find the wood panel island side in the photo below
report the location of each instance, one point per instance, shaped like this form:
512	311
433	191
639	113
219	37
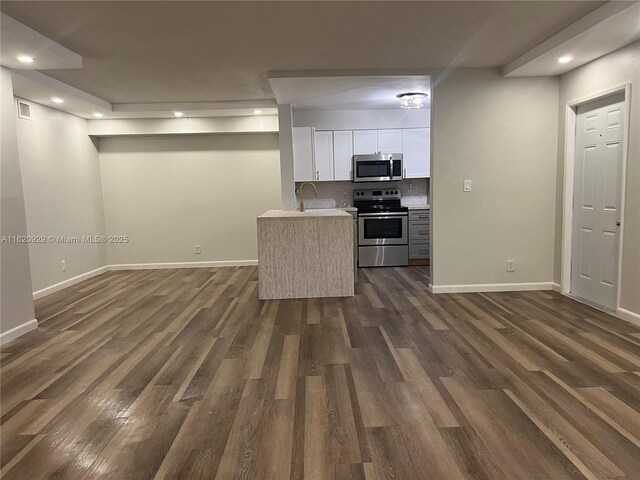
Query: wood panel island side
305	254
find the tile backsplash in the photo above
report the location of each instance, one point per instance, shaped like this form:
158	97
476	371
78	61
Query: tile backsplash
334	194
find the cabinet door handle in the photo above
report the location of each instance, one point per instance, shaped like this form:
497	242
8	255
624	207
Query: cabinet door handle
405	173
317	175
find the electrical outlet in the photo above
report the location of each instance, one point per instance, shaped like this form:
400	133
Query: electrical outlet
64	265
198	251
410	186
511	265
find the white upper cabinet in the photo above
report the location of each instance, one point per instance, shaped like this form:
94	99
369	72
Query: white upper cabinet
416	152
365	142
390	141
342	154
303	170
327	155
323	155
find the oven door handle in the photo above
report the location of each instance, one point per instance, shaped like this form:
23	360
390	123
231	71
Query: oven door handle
383	215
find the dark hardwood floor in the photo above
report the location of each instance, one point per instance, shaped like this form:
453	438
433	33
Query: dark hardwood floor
175	374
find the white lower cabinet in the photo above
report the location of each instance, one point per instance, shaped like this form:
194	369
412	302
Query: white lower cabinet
342	154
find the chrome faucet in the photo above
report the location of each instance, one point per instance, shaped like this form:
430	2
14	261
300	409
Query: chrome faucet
300	194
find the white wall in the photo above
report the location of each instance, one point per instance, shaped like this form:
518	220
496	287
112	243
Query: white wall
361	119
170	193
185	125
609	71
16	301
63	194
501	133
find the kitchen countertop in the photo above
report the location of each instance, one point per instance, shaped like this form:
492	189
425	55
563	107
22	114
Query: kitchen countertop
348	209
418	206
310	213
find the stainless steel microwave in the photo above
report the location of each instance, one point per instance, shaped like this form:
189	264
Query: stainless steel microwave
380	167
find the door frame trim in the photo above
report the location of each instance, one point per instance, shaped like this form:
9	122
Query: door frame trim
569	163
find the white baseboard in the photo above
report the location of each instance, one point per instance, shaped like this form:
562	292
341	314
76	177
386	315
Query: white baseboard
139	266
629	316
215	263
556	287
67	283
492	287
18	331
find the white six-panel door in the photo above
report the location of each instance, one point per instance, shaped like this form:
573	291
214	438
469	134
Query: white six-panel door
596	204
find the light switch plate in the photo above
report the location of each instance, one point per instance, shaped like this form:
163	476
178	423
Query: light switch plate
466	185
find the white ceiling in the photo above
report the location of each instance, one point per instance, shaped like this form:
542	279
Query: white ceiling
603	30
135	52
347	93
148	59
16	39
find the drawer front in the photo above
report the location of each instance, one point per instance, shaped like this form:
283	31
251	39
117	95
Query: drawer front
420	222
418	231
418	250
419	215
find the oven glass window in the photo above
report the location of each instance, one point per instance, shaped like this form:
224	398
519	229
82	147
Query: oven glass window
372	169
375	228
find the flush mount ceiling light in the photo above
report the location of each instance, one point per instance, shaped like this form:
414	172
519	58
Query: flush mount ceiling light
565	59
178	114
25	58
98	115
411	99
257	111
57	100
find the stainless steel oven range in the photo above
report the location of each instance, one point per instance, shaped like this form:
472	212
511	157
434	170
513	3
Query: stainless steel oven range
383	239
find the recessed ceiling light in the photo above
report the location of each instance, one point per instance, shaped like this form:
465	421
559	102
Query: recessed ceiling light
25	59
57	100
98	114
565	59
178	114
257	111
412	99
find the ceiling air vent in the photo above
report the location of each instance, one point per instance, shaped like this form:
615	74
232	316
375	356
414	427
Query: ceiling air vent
24	110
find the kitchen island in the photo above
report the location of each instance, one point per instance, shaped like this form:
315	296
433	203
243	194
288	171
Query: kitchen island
305	254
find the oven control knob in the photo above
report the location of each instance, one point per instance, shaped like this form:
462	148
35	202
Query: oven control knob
396	192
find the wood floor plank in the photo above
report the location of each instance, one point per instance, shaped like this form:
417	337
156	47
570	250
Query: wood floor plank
285	388
186	374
